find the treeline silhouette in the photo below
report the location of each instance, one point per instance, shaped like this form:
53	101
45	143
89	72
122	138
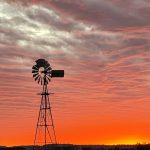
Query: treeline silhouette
80	147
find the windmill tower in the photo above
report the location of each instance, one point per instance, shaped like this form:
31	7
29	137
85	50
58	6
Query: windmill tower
45	130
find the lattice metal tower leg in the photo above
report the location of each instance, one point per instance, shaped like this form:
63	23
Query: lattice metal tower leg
45	121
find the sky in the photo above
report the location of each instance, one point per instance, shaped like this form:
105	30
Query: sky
104	48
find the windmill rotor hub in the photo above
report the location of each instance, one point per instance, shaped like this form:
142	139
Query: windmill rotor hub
41	71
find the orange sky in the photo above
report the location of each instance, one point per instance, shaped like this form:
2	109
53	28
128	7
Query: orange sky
104	96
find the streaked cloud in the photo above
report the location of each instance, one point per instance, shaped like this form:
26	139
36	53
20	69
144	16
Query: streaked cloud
103	46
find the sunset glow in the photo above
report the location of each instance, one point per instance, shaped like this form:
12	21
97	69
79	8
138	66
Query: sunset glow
104	48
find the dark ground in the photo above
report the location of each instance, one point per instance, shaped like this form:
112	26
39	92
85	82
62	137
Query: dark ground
80	147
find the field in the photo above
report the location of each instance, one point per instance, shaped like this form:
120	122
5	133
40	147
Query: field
80	147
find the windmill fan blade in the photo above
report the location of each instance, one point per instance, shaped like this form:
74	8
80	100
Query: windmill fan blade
48	71
48	68
34	75
46	81
35	67
40	63
39	80
37	77
48	75
34	71
48	78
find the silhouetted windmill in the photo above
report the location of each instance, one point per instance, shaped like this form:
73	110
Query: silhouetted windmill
42	73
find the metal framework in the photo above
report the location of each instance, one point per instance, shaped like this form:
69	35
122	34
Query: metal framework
44	113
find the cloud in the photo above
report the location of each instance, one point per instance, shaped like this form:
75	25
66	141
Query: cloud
103	46
77	42
104	14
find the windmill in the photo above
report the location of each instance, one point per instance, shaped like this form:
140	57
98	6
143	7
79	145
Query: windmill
45	131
